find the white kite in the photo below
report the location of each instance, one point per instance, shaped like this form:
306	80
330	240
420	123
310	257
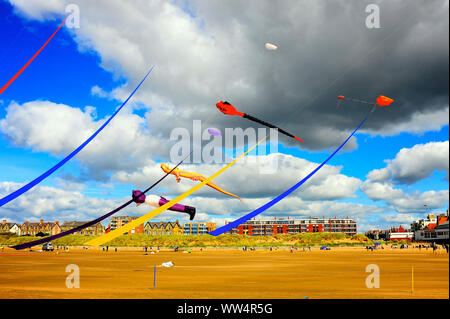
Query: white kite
271	47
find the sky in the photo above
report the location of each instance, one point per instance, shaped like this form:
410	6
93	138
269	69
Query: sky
206	51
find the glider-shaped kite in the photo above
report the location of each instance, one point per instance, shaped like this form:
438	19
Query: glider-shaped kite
195	177
32	58
227	108
95	221
39	179
139	221
266	206
157	201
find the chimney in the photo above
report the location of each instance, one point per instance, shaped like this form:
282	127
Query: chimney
4	222
41	221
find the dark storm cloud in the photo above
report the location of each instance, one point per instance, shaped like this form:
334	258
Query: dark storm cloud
326	50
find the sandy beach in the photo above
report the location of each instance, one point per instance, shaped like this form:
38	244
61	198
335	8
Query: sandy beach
335	274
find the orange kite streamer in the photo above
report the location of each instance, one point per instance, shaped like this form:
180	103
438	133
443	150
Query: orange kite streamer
195	177
32	58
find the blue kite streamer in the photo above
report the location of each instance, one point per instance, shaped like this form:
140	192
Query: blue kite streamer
39	179
266	206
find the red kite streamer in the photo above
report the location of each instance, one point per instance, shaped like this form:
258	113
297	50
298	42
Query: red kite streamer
32	58
227	108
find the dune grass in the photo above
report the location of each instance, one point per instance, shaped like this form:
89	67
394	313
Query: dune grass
140	240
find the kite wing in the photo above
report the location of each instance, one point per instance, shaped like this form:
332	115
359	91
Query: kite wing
227	108
32	58
39	179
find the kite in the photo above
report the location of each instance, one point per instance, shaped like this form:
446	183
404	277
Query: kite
271	47
139	221
39	179
95	221
380	101
32	58
227	108
214	132
195	177
266	206
157	201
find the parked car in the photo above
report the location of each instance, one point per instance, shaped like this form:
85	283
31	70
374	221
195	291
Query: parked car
48	247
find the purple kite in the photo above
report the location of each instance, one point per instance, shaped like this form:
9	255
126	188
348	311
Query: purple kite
214	132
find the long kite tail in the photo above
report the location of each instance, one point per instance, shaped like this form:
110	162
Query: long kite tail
139	221
266	206
39	179
32	58
93	222
219	189
254	119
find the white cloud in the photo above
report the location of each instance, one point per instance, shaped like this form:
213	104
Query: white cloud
418	123
126	143
405	202
411	165
51	204
245	179
39	9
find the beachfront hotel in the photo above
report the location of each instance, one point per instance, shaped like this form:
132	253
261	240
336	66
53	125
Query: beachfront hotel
119	221
268	227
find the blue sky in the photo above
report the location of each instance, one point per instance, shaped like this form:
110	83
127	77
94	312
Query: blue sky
66	72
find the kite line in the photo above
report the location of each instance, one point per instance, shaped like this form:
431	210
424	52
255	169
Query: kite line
266	206
39	179
32	58
139	221
93	222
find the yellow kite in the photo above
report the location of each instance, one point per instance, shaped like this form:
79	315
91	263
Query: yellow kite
195	177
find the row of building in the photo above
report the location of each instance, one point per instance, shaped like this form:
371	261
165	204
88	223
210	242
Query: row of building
432	228
162	228
150	228
268	227
253	227
48	228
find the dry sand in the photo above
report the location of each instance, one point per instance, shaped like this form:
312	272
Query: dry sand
338	273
